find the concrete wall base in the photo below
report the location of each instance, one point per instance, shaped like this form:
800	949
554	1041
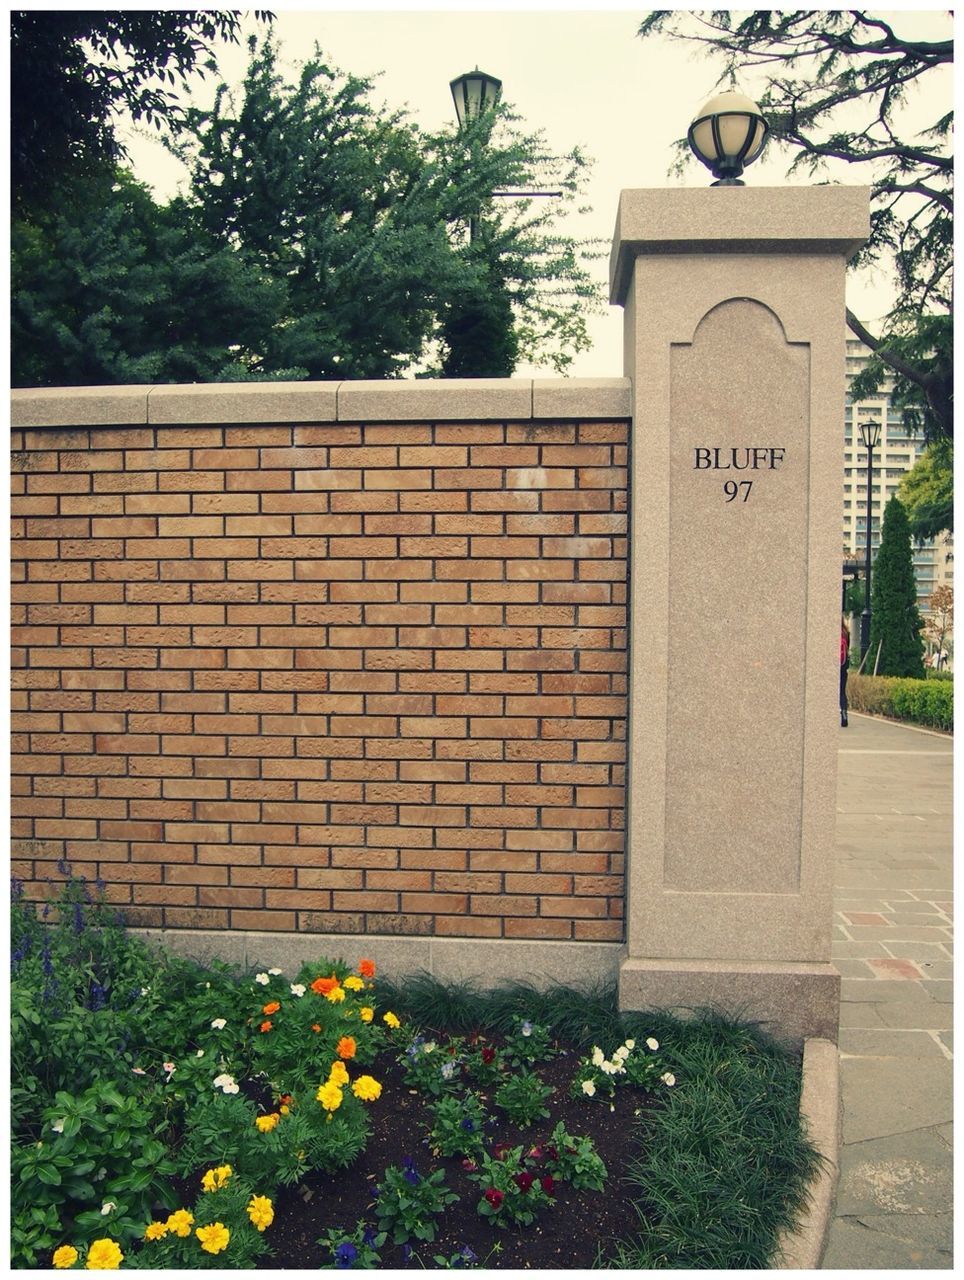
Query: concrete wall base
486	961
791	1002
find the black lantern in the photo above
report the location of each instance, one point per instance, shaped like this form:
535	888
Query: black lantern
474	93
727	134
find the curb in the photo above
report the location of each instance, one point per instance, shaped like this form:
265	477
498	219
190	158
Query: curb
802	1248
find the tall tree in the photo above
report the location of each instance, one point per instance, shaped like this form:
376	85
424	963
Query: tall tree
927	492
941	622
895	621
114	289
72	70
364	219
836	81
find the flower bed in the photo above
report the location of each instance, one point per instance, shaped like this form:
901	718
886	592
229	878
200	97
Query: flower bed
167	1115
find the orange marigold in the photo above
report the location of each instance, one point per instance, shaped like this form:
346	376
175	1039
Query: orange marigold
347	1047
266	1026
315	1026
323	985
366	968
273	1007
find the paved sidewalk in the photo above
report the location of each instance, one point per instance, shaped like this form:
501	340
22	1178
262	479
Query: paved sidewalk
892	946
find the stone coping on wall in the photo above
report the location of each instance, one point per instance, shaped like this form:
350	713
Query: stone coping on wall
419	400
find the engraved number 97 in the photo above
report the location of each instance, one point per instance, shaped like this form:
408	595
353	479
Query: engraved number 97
732	488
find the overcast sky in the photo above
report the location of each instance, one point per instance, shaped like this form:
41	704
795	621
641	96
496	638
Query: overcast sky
583	77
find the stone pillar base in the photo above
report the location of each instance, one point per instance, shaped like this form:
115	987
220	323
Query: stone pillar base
791	1002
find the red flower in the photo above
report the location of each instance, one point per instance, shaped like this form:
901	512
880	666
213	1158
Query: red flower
536	1153
552	1153
548	1185
488	1055
494	1198
500	1149
523	1181
469	1166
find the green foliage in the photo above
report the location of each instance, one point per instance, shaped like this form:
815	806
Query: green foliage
929	702
574	1159
71	70
523	1098
431	1067
927	492
408	1203
895	622
353	1251
458	1124
527	1043
327	239
512	1194
835	85
236	1206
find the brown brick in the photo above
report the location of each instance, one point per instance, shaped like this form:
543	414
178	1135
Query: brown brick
537	928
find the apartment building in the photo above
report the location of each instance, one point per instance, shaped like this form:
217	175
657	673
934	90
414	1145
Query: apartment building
896	453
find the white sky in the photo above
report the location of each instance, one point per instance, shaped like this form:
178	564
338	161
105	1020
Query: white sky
583	77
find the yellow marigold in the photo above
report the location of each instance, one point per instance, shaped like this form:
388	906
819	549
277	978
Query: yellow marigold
216	1178
181	1222
366	1088
267	1123
329	1095
354	984
271	1007
261	1212
65	1256
104	1255
338	1074
347	1047
156	1231
390	1020
366	1013
285	1109
214	1238
336	995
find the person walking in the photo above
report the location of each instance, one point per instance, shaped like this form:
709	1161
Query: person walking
844	667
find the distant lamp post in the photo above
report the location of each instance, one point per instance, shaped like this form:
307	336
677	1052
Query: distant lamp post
870	439
727	134
474	93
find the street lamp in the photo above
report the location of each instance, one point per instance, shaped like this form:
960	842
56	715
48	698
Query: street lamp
474	93
870	439
727	134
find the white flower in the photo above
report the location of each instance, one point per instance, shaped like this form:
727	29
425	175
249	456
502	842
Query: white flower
207	986
621	1054
597	1056
276	972
668	1078
200	1053
109	1207
219	1024
145	990
262	978
225	1083
138	1071
170	1068
58	1126
609	1068
430	1047
589	1088
298	989
652	1044
630	1044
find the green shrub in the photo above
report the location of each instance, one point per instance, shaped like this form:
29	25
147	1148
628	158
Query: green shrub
929	702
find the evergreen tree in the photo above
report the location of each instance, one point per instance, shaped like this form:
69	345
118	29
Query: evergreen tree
896	624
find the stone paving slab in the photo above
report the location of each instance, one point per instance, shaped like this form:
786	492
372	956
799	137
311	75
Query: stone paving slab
892	946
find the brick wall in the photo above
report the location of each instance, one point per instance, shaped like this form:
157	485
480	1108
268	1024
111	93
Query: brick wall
340	678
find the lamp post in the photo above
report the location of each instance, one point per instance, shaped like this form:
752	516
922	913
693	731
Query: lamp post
473	93
870	439
727	134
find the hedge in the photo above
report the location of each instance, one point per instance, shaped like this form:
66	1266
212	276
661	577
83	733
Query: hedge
929	702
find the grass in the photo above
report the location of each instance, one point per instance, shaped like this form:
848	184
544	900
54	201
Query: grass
723	1164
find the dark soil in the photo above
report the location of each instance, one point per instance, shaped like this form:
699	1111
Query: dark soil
570	1233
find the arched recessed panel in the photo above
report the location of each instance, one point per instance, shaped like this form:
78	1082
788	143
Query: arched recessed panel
739	476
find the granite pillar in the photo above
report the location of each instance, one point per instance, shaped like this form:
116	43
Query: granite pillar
735	345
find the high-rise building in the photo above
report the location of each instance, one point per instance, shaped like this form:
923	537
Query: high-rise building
896	453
